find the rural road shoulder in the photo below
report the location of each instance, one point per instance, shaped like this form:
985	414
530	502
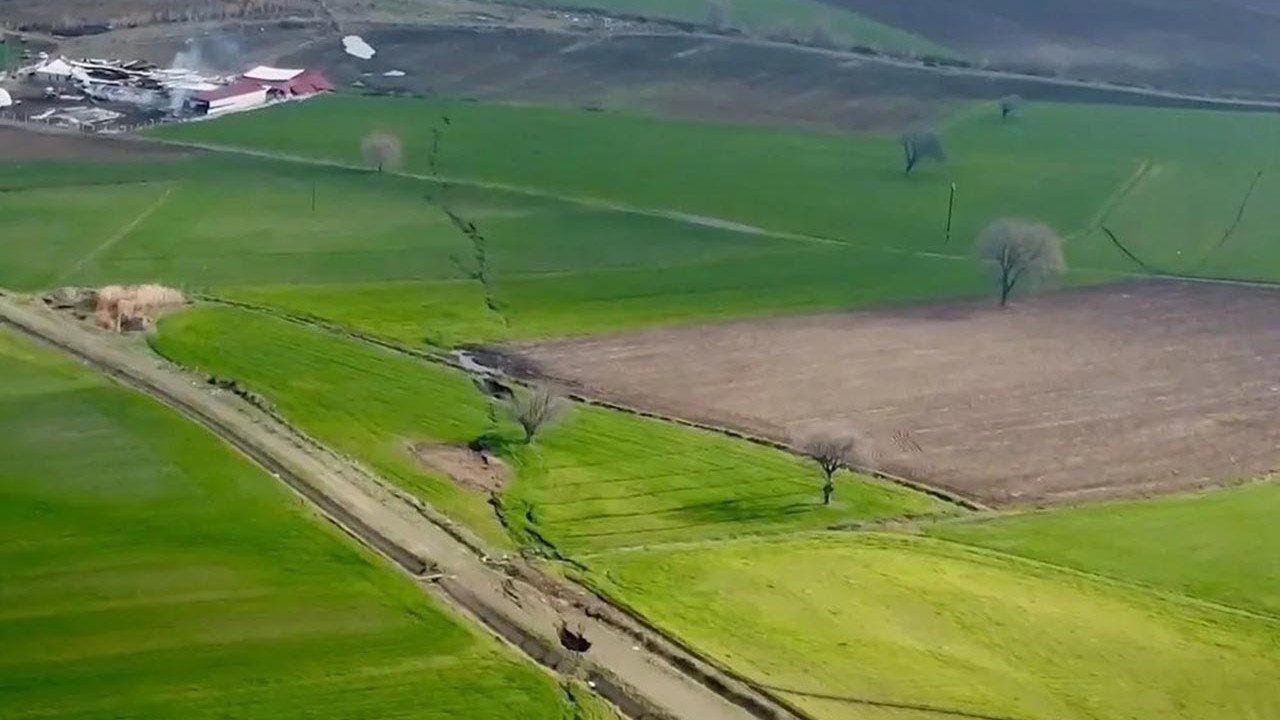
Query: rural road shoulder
623	666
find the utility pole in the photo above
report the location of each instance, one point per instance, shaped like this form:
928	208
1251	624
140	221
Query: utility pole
951	209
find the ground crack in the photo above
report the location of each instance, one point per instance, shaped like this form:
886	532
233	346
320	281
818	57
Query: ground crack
480	271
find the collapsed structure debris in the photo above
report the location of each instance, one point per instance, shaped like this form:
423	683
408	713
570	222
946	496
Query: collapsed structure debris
105	90
119	308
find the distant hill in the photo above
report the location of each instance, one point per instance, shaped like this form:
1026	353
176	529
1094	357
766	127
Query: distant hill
1202	45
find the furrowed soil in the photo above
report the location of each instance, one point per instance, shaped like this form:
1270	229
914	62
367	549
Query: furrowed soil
18	144
1124	390
686	76
1227	45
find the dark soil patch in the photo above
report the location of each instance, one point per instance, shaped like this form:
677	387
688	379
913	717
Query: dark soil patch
1191	45
18	144
478	471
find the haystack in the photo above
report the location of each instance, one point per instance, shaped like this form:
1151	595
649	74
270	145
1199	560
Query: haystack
133	307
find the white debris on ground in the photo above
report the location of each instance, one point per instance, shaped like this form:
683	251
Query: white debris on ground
393	73
355	46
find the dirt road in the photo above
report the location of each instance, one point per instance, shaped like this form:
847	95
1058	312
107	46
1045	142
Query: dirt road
626	664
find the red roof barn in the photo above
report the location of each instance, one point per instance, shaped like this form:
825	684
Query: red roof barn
296	83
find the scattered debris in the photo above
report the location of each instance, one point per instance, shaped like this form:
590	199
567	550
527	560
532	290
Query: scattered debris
122	308
394	73
355	46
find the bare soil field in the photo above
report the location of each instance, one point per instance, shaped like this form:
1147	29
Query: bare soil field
689	76
1190	45
1116	391
18	144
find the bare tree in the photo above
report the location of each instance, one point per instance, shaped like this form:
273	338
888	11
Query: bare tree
831	452
382	150
718	15
920	145
1010	105
1020	251
536	410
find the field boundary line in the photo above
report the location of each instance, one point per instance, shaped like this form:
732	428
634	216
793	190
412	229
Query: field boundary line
447	569
1101	578
718	223
772	691
936	492
118	236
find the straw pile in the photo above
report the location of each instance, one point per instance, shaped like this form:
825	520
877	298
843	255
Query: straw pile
133	307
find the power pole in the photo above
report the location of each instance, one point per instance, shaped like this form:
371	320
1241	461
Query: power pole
951	209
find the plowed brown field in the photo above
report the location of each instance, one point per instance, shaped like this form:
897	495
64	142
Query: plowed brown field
1121	390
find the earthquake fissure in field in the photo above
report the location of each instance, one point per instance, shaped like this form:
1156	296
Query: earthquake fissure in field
713	368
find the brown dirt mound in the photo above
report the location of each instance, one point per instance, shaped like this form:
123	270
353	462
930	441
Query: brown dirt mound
478	471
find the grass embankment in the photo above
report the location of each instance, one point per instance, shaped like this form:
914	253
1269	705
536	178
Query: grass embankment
602	479
848	626
1217	546
148	571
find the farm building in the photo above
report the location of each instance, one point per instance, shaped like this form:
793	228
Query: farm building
291	82
239	95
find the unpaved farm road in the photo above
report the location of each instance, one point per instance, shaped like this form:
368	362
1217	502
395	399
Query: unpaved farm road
628	665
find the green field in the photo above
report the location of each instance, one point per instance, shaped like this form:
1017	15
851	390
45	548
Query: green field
685	526
1169	183
1218	546
782	19
603	479
722	542
148	571
851	624
376	251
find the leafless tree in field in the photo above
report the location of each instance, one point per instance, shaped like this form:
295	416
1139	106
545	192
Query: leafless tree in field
920	145
382	150
718	15
831	452
1020	251
1010	105
536	410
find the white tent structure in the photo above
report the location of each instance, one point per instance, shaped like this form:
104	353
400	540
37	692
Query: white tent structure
6	100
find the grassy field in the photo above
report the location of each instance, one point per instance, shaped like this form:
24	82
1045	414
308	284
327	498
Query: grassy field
602	479
377	252
1165	181
148	571
805	20
1216	546
870	626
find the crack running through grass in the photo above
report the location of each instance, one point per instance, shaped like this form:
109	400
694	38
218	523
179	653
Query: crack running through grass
479	243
